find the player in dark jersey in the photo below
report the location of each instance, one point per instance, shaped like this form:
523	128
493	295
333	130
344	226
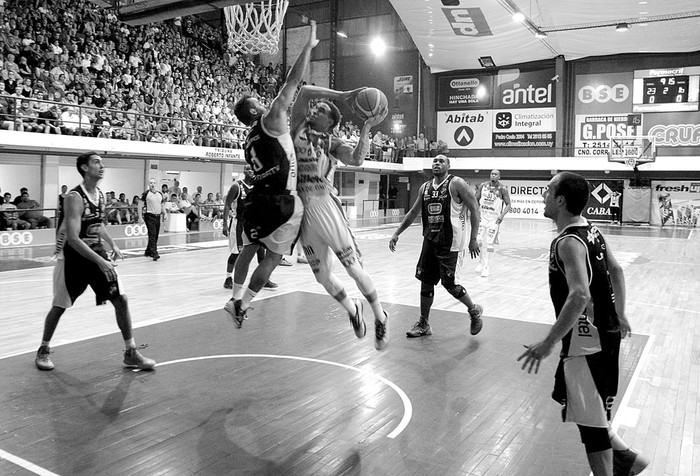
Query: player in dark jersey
83	261
444	202
273	210
587	287
233	228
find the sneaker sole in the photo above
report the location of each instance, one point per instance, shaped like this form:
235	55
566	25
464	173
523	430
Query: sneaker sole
422	334
360	306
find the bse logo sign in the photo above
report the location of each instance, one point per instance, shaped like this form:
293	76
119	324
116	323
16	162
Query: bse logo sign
16	238
136	230
465	21
603	93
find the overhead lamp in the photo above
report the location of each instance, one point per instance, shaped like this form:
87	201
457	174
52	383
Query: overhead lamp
622	27
487	62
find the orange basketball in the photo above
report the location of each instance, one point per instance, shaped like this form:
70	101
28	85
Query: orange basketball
369	102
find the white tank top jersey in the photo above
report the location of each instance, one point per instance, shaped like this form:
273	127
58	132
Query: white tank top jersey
315	165
491	202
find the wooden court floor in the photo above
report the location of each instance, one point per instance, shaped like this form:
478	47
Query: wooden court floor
294	392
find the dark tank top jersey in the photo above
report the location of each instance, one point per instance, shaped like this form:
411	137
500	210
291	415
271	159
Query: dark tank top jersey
601	311
92	215
436	217
272	159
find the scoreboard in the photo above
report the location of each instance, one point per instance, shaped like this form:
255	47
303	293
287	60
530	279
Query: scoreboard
666	90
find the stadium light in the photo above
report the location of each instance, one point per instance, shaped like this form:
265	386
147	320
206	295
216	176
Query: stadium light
378	46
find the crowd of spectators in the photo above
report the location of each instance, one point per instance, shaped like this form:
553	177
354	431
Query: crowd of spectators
22	212
171	82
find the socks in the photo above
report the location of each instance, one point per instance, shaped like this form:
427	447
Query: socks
248	296
130	343
45	343
237	291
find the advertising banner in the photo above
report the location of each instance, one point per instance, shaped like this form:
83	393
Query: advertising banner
465	129
677	130
593	132
521	89
403	92
524	128
526	198
598	206
675	203
466	91
604	93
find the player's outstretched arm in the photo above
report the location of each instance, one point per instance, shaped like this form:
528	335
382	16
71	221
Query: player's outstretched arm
617	278
408	219
231	196
276	119
467	196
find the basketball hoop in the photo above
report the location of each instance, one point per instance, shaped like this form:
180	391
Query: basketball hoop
255	28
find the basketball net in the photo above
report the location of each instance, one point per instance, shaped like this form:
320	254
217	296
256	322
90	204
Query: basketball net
255	28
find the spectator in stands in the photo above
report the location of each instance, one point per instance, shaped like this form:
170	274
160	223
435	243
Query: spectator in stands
171	206
134	209
50	119
122	206
10	216
28	117
32	213
7	109
421	146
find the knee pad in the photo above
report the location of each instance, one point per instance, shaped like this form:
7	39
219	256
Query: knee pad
456	290
427	290
594	439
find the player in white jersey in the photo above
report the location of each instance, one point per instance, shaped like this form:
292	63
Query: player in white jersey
494	203
324	228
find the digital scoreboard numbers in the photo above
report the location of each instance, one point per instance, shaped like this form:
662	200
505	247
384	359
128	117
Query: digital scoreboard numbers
666	90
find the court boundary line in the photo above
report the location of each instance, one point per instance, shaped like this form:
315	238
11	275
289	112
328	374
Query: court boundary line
408	407
24	464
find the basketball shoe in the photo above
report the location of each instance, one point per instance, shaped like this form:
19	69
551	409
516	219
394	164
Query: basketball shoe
628	463
270	285
284	262
420	329
43	362
475	315
235	311
133	358
381	333
358	320
485	272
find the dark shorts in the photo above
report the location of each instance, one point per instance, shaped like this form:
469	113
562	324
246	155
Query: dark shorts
437	263
272	221
74	274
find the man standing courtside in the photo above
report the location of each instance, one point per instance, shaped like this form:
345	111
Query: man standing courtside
324	229
153	214
83	261
444	202
587	287
273	210
494	204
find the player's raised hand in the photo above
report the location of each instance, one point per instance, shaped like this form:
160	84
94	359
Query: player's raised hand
313	41
375	120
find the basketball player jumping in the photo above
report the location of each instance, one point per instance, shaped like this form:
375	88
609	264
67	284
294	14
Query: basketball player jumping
589	300
444	202
494	204
325	228
83	261
273	209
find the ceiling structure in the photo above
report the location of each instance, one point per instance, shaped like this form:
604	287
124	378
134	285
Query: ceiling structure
454	34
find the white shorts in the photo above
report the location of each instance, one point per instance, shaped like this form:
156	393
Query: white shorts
233	245
584	403
325	228
488	233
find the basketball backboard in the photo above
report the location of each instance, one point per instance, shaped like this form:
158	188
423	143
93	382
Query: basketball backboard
632	150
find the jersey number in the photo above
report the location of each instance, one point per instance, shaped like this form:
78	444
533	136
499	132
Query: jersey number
254	161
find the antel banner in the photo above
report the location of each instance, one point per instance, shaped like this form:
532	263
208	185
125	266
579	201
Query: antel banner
604	93
465	129
519	89
593	132
467	91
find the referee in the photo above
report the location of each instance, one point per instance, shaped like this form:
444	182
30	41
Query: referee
154	213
